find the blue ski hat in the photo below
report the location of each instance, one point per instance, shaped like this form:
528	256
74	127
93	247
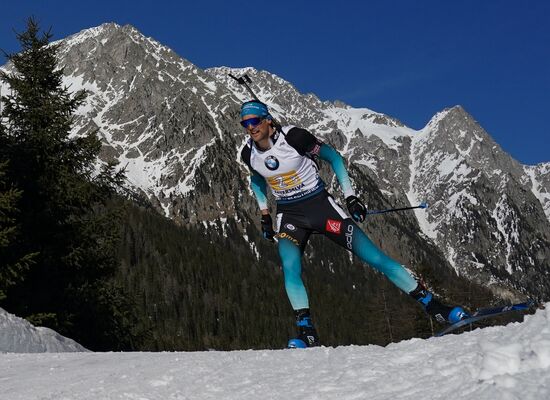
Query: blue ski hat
254	107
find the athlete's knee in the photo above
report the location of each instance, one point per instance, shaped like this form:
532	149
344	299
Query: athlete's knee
290	257
292	268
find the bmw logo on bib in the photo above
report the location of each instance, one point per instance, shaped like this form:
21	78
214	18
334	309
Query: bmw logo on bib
271	163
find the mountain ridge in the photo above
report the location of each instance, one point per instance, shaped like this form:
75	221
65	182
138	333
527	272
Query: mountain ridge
175	129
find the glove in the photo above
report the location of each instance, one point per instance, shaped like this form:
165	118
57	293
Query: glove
267	227
356	208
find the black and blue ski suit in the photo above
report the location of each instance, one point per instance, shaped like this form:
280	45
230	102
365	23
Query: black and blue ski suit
304	206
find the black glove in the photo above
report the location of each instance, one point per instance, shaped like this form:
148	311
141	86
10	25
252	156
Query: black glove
267	227
356	208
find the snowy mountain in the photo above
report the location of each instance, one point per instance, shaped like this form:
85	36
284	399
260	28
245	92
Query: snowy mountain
175	129
19	336
511	362
490	224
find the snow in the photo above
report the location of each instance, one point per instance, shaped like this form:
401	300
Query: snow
252	245
429	229
18	335
455	165
82	36
503	215
511	362
534	175
75	83
436	119
349	120
368	162
186	185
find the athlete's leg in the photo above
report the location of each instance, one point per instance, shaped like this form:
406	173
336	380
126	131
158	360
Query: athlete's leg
292	268
359	243
340	228
367	251
293	235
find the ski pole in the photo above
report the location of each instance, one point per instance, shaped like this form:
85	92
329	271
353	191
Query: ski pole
387	210
245	80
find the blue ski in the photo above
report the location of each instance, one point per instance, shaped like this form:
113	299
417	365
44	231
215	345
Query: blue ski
483	313
296	344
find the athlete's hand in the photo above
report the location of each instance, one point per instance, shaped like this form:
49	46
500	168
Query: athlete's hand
267	227
356	208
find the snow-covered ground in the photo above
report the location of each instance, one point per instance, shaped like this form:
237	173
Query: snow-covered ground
19	336
502	363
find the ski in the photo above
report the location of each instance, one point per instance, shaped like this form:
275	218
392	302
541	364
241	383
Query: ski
483	313
296	344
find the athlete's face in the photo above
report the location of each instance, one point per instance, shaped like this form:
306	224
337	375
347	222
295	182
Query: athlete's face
259	132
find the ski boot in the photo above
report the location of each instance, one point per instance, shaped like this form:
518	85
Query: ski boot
442	313
307	335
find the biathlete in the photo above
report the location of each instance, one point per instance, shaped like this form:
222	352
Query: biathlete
284	158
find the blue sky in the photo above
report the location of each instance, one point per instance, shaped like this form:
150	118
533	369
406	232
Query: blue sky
408	59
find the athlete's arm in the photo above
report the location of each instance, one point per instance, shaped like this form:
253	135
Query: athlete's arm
259	188
355	206
257	182
336	161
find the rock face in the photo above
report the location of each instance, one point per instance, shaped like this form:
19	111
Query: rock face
159	116
174	127
483	216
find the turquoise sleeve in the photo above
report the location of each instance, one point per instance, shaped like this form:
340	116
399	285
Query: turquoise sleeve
259	188
328	153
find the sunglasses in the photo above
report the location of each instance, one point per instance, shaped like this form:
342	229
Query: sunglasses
252	122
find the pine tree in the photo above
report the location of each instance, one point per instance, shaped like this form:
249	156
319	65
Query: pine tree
64	214
13	265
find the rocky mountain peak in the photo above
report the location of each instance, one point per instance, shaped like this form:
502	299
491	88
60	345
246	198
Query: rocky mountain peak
455	134
174	127
476	193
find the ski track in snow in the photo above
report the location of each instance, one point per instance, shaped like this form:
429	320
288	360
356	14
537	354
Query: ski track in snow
511	362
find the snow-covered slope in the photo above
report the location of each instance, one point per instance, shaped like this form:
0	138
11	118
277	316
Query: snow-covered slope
538	178
511	362
19	336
